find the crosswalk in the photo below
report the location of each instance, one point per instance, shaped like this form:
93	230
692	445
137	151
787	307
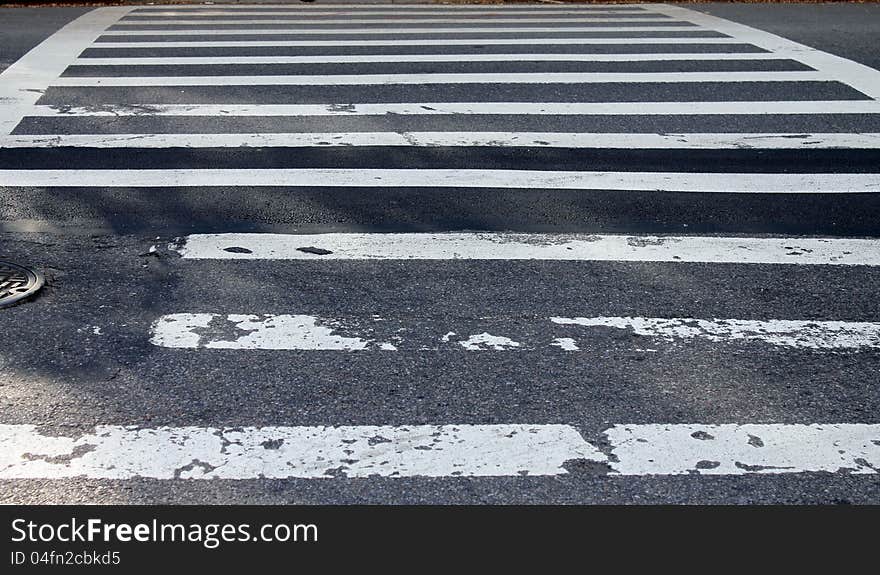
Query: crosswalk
406	104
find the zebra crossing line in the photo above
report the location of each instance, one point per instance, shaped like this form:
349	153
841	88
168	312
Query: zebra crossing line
519	246
169	453
753	183
45	107
305	332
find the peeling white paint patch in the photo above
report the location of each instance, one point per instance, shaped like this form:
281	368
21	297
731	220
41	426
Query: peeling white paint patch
179	329
239	331
485	340
730	449
117	452
785	333
93	329
566	343
533	246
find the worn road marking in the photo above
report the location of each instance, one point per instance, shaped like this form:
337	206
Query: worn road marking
118	452
451	178
463	78
184	330
488	108
519	246
785	333
306	332
581	140
732	449
189	453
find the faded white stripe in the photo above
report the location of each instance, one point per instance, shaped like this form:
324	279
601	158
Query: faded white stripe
442	178
489	108
515	246
464	78
807	334
277	452
583	140
311	333
123	452
305	332
732	449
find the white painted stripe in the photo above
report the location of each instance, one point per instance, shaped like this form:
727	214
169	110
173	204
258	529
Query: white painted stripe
312	333
125	452
419	42
465	78
386	58
316	15
469	20
414	30
22	83
794	141
491	108
730	449
805	334
451	178
128	452
397	8
515	246
861	77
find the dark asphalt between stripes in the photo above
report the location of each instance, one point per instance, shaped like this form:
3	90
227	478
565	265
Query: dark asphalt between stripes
294	210
819	161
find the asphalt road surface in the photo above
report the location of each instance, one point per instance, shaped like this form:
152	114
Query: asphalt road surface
435	254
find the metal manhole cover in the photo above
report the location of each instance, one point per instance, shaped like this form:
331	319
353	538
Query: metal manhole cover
17	283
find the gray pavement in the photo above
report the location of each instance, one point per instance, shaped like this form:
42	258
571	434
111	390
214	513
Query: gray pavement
83	353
